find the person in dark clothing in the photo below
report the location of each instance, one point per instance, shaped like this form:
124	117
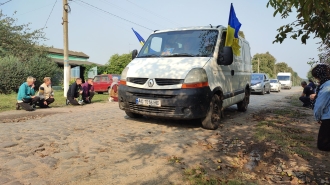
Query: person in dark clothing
25	97
312	84
75	90
88	89
305	94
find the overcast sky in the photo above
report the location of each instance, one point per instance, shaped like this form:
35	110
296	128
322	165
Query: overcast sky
100	34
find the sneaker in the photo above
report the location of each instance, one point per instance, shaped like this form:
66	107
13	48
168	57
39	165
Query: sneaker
18	107
67	102
80	102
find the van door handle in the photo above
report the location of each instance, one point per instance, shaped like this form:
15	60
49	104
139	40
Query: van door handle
232	72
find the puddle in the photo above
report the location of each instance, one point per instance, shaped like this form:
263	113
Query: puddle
254	160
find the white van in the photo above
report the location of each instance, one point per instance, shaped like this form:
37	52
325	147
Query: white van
186	73
285	79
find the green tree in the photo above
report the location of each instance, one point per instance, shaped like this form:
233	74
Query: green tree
281	67
19	41
313	17
266	63
117	63
14	72
21	56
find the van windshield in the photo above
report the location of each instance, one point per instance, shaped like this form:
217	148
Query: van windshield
283	78
187	43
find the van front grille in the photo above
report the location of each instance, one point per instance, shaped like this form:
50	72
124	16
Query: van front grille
164	81
144	95
156	110
139	81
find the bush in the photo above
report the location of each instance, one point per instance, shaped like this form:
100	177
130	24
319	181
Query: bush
14	72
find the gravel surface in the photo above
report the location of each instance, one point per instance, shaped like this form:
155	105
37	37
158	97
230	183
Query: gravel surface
99	144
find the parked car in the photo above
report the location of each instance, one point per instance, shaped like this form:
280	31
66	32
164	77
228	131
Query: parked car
275	85
102	83
260	83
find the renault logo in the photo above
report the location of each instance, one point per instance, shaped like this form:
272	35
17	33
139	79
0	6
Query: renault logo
151	83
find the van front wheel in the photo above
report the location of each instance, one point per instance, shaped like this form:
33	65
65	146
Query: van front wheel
212	119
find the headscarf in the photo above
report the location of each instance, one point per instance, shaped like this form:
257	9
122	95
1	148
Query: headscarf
114	81
322	73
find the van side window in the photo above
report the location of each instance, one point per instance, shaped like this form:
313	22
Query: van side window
97	79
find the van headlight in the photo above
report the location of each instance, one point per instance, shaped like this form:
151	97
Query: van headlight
196	78
123	76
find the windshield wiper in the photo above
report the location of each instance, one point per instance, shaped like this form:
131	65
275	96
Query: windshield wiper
151	55
181	55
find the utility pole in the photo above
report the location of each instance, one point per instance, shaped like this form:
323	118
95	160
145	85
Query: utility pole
258	65
66	46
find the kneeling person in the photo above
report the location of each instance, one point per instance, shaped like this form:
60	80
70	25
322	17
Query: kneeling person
75	90
88	91
25	96
46	93
305	96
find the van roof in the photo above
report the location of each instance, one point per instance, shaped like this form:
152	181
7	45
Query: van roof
220	27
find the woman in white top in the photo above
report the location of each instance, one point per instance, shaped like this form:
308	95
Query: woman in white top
46	93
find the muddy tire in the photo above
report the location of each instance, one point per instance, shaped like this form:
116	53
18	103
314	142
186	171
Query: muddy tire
213	115
133	115
243	105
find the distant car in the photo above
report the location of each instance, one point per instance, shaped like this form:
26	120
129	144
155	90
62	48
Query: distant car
260	83
275	85
102	83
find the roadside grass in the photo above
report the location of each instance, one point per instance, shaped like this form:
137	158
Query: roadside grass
278	128
294	100
199	176
7	102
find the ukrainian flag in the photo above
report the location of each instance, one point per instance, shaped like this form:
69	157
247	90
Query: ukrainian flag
232	31
141	40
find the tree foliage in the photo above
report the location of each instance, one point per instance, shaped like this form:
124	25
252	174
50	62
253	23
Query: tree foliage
21	56
117	63
14	72
268	65
313	18
19	41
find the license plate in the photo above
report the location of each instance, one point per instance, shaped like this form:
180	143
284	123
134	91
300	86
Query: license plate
148	102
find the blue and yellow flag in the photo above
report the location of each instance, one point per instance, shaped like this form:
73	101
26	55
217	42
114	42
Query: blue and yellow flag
232	31
141	40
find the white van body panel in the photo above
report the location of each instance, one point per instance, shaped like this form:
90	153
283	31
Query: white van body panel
172	68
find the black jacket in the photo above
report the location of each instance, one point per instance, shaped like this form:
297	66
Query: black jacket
73	91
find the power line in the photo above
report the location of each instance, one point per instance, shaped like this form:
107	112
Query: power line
50	13
5	2
127	11
153	13
115	15
34	9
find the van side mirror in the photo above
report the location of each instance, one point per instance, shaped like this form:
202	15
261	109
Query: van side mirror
225	56
134	54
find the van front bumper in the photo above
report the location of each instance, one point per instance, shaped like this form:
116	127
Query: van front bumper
175	103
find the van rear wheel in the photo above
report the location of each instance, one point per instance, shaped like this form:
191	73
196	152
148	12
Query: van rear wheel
133	115
213	116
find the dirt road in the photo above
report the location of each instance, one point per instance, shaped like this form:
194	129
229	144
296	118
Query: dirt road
98	144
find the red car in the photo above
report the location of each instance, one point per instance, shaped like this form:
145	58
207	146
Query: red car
102	83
